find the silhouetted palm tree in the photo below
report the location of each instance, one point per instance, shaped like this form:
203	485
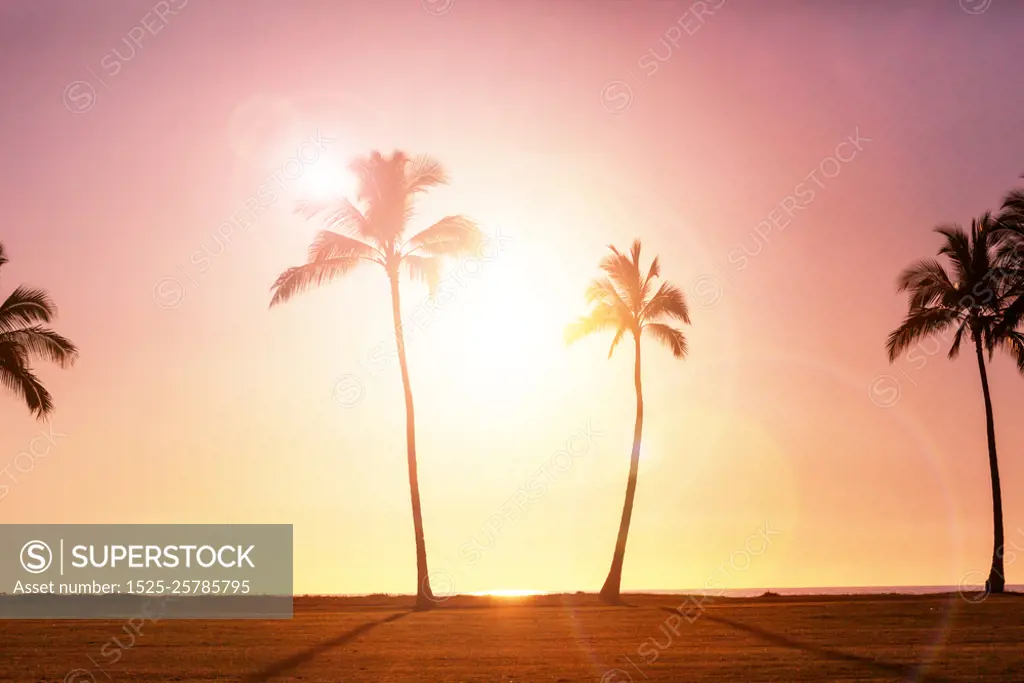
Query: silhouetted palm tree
24	339
374	233
623	302
970	298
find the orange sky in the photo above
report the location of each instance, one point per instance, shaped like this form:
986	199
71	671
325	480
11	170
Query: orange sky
559	131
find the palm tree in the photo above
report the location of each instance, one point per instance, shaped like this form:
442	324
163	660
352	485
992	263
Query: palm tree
23	338
622	301
969	297
374	233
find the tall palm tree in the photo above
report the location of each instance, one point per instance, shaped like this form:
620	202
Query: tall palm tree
23	338
968	297
374	232
623	301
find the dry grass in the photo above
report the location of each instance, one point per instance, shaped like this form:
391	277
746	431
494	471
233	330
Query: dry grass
554	638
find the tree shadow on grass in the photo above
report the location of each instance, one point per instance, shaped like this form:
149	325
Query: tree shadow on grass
912	672
289	663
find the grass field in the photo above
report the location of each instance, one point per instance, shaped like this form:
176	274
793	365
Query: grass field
548	638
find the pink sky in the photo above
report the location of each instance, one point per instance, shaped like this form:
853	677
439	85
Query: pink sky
555	124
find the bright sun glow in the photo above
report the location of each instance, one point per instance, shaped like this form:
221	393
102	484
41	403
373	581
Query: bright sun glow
325	179
500	334
509	592
648	449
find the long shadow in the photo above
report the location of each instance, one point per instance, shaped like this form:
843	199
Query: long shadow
911	671
300	658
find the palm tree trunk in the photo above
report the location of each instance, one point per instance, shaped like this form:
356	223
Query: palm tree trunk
996	576
610	590
424	596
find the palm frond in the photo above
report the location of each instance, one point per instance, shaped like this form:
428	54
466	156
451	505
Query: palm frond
984	234
380	176
668	302
44	343
339	215
362	169
602	317
1010	256
954	349
619	333
26	306
300	278
918	324
1013	207
331	245
604	291
601	289
423	173
1014	343
1012	314
626	276
634	252
382	190
671	337
927	282
425	269
652	273
450	236
958	249
19	379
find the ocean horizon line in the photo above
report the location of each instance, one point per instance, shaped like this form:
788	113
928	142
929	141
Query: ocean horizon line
722	592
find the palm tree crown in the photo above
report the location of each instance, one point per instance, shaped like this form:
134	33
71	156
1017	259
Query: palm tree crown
23	338
622	300
970	297
374	233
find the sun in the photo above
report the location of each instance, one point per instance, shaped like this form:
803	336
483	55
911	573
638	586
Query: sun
498	334
325	179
